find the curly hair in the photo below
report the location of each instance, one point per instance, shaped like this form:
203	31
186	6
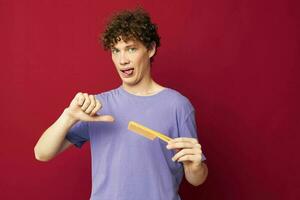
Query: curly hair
130	25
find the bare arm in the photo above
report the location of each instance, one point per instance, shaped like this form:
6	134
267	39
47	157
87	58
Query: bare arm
53	141
196	176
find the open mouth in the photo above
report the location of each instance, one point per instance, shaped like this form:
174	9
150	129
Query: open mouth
128	71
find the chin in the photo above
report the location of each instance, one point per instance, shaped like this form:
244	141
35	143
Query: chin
129	82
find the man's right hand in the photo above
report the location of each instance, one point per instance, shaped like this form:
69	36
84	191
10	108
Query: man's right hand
84	107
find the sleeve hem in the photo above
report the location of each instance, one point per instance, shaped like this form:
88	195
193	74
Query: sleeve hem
76	144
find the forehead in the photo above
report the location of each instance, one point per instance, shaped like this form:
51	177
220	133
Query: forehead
123	44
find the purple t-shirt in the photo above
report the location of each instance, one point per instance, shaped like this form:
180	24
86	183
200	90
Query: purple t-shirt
128	166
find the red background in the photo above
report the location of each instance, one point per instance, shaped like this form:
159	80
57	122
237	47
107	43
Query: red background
237	61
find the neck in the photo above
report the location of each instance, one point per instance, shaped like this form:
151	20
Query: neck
144	87
147	86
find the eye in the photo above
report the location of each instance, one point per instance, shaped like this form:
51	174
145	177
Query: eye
131	50
115	51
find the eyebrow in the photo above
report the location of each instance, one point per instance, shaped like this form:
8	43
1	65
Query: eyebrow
130	45
126	47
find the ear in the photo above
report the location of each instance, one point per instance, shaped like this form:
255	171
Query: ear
152	50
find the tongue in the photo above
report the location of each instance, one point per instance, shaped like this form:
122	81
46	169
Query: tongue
128	72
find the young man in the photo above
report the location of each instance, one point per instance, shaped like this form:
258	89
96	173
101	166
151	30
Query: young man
126	165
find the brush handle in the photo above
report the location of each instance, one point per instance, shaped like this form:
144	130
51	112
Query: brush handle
162	137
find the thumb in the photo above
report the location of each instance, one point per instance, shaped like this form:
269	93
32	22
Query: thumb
103	118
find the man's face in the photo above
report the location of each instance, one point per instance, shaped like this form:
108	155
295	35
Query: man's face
132	61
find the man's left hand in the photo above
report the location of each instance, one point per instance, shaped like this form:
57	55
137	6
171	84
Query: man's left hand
188	152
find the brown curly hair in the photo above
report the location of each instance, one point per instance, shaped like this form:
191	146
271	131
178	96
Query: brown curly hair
130	25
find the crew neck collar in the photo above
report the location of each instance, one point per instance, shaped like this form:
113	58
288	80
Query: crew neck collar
141	96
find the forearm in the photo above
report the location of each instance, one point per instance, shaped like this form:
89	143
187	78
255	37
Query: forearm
51	140
196	176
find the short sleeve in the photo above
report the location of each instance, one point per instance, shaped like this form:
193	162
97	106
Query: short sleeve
78	134
188	128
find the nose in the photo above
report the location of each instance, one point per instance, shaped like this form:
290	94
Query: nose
123	60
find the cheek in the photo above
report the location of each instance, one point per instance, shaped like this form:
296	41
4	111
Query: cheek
114	59
141	60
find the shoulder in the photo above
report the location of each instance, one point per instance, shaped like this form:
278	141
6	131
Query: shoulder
107	94
179	101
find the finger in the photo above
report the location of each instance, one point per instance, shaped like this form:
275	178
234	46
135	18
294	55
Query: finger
92	104
74	101
85	117
184	152
103	118
98	106
192	158
180	145
86	102
197	146
184	139
79	99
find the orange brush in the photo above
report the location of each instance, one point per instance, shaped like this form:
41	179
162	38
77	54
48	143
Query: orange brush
146	132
